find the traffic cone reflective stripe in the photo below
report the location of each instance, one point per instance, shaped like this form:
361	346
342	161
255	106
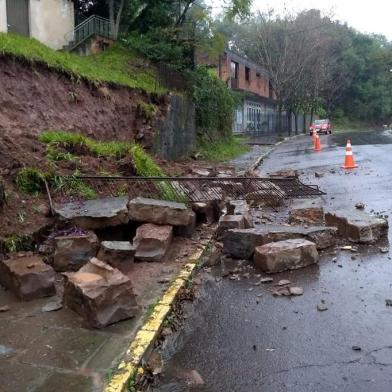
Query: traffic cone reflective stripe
317	144
349	162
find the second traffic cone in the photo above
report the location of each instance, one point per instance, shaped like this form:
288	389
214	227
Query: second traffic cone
349	162
317	144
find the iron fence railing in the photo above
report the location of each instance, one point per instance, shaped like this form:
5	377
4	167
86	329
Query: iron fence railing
94	25
271	191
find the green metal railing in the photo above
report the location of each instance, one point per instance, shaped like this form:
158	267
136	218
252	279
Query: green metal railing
94	25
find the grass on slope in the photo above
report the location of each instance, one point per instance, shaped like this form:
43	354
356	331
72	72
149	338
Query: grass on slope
117	65
223	149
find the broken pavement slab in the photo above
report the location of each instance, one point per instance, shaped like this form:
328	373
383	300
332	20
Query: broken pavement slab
27	277
95	214
285	255
307	211
358	225
240	243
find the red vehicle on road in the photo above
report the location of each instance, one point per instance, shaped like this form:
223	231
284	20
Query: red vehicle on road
321	126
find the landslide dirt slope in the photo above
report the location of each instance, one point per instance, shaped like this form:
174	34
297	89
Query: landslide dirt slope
34	99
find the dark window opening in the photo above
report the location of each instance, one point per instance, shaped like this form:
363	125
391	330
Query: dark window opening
247	74
234	69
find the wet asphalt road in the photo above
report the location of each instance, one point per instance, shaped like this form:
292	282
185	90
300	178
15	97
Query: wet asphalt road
241	338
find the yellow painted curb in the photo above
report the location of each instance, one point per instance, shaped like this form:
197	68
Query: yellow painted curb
146	336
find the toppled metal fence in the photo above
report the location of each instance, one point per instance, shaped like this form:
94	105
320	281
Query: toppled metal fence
271	191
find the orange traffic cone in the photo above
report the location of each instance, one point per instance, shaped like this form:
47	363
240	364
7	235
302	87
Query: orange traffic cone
349	162
317	144
314	133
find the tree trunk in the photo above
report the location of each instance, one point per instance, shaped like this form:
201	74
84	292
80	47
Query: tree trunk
115	17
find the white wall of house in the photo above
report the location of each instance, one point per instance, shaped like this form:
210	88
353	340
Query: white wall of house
51	20
3	16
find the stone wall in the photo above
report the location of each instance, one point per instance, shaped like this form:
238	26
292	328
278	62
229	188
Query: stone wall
176	136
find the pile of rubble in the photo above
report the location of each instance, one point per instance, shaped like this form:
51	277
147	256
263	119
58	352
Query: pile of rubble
281	247
96	273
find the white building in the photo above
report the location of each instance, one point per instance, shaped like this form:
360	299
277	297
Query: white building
46	20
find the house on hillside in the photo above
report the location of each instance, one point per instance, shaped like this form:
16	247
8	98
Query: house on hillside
258	113
49	21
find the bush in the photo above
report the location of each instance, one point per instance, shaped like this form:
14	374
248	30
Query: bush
215	105
30	180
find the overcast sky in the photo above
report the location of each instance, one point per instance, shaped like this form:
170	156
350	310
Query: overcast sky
374	16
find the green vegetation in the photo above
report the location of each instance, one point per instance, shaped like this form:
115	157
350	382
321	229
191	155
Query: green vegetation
222	149
18	243
144	164
72	186
148	110
117	65
30	180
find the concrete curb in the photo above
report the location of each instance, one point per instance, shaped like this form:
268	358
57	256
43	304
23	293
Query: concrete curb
149	332
258	161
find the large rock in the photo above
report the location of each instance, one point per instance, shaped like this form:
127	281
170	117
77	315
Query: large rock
285	255
307	211
240	244
160	212
206	212
227	222
95	214
152	242
119	254
28	277
240	207
102	295
357	225
71	252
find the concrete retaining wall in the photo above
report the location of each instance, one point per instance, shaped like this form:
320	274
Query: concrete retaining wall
176	136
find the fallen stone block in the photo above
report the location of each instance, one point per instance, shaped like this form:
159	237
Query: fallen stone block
240	207
71	252
28	277
118	254
160	212
357	225
95	214
227	222
240	243
285	255
307	211
185	231
102	295
152	242
284	173
208	212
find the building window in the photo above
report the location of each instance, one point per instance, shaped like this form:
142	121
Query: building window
247	74
234	69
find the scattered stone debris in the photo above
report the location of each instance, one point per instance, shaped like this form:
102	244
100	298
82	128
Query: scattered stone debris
266	280
102	295
72	251
285	255
160	212
384	250
388	302
118	254
296	290
95	214
358	225
152	242
356	348
319	174
283	282
52	306
309	211
27	277
227	222
241	243
4	309
360	206
322	307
